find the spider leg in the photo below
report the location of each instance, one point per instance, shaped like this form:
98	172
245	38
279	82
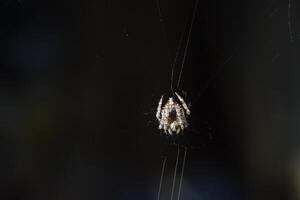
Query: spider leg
163	127
166	130
183	104
170	131
158	112
160	126
181	126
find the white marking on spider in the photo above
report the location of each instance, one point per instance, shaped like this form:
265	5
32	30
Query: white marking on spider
172	116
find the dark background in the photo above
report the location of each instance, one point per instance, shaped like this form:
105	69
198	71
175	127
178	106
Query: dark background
80	83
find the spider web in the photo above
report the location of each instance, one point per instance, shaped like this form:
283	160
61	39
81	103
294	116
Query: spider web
185	141
173	66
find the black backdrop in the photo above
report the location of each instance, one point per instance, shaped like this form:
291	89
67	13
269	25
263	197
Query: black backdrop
80	82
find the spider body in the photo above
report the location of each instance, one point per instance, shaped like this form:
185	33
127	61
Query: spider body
172	116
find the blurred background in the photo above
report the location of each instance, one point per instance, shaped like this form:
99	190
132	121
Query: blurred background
80	82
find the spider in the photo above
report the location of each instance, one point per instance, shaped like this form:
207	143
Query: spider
172	116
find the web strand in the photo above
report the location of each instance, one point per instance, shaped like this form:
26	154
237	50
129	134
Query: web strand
177	54
182	172
161	177
188	42
175	173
